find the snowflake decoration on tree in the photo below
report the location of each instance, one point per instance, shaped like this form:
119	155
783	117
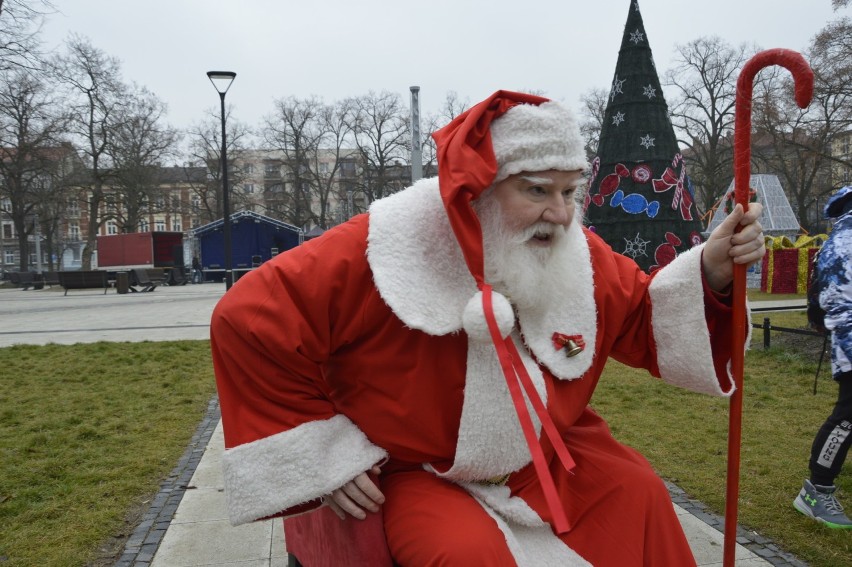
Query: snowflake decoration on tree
636	37
618	118
649	92
636	6
636	247
616	87
646	141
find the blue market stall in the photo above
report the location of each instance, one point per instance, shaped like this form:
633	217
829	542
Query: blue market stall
254	239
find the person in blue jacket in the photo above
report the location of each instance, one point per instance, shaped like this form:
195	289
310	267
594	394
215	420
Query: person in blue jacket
833	283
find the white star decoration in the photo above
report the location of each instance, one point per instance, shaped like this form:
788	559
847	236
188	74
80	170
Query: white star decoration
636	247
647	141
616	87
636	37
618	118
649	92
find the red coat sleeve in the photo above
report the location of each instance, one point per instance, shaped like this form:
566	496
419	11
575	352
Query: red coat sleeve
669	322
285	445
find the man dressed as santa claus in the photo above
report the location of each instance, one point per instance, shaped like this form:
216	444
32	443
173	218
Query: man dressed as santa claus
435	358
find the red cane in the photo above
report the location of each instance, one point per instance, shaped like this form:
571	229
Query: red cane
803	79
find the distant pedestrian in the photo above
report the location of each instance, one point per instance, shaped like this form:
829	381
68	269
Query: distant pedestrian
197	274
833	286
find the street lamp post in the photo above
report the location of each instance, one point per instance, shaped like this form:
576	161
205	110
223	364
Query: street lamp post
222	82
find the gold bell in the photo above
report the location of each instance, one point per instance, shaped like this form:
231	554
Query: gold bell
572	348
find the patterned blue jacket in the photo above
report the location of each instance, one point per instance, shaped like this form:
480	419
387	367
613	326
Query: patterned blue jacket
835	292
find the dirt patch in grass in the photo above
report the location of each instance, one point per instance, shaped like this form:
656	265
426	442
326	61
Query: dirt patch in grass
111	550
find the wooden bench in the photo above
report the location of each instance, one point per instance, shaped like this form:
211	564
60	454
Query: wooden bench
141	277
27	280
176	276
51	278
156	275
84	279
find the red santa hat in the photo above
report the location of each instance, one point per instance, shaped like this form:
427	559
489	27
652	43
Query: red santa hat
503	135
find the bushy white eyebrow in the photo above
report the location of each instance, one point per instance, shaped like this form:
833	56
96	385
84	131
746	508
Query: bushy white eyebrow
537	180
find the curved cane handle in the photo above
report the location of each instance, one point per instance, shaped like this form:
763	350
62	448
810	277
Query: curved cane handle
803	79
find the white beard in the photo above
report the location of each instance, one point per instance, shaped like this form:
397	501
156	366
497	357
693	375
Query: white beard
531	277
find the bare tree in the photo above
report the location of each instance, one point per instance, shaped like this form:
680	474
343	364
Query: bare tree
205	150
380	124
296	129
451	107
798	142
29	128
704	82
20	23
138	147
330	184
96	97
591	117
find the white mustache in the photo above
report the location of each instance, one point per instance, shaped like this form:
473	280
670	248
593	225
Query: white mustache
538	229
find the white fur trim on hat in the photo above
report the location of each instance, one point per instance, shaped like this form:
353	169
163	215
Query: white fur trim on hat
537	138
473	318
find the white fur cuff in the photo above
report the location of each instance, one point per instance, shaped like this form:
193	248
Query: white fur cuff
268	476
684	355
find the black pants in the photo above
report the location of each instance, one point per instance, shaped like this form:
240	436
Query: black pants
834	437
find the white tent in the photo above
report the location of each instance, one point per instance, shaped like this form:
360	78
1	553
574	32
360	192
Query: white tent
778	217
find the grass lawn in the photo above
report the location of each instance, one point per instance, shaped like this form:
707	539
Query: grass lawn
755	295
684	435
87	432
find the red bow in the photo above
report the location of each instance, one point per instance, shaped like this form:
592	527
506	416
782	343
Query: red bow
670	179
560	341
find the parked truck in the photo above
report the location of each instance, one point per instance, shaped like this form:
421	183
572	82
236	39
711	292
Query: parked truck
140	250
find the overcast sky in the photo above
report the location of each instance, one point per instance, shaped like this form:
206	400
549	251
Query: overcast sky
340	48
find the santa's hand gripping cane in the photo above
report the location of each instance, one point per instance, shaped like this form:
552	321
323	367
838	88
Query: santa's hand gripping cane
803	78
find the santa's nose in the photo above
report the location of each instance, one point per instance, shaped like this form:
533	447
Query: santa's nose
557	211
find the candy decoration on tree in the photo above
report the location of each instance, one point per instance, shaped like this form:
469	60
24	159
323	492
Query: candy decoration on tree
666	252
639	170
635	204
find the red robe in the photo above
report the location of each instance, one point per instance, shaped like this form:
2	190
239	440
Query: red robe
348	351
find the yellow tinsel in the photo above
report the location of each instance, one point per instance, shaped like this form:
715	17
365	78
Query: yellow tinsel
803	244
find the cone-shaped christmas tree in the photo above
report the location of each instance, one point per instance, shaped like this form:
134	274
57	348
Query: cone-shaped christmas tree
640	200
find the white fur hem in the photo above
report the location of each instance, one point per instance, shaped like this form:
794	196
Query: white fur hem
684	355
531	541
270	475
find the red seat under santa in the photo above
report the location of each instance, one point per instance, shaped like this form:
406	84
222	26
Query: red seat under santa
321	539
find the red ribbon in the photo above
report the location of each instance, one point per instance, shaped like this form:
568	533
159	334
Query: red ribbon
515	372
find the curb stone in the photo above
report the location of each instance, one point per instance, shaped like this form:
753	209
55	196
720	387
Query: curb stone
143	543
753	541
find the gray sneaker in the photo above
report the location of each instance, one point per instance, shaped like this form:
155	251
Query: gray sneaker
821	505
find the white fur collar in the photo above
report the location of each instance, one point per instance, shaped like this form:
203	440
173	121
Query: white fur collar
420	272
